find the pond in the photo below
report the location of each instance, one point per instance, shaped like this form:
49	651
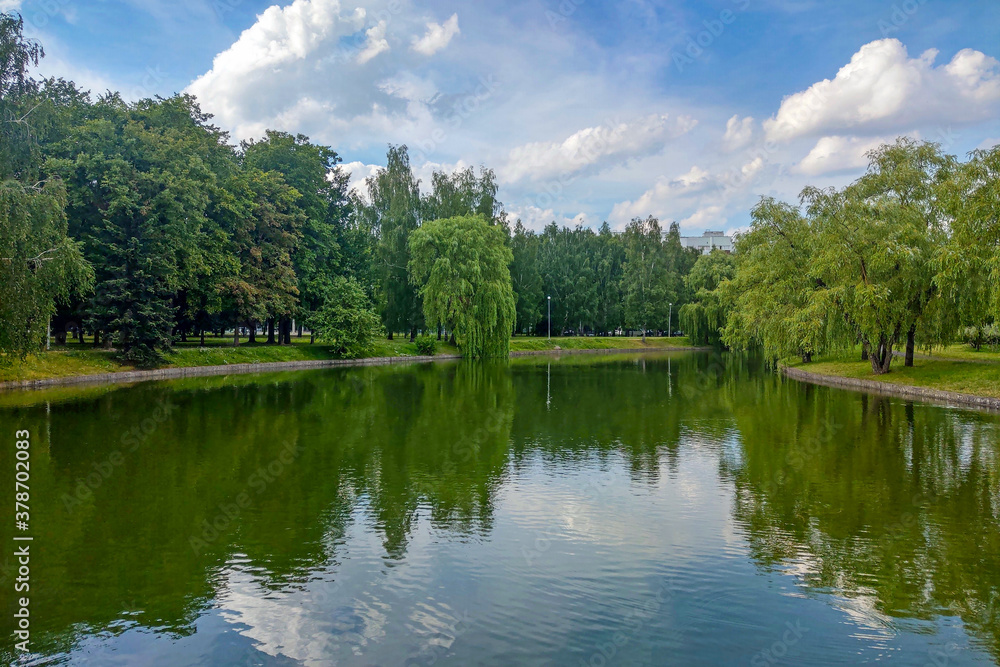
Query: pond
689	509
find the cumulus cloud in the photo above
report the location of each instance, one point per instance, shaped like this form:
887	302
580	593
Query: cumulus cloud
375	43
739	132
704	217
593	147
10	5
882	89
437	36
665	193
536	218
832	154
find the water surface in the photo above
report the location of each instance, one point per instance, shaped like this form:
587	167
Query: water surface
685	509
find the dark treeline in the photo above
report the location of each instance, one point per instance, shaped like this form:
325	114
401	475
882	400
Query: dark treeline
141	224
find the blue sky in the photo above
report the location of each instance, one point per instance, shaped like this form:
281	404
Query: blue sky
587	110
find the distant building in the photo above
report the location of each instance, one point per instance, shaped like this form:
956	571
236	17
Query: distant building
708	241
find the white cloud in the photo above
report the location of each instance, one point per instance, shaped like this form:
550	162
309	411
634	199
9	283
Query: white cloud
536	218
375	44
704	217
882	89
738	132
10	5
437	36
594	146
359	172
831	154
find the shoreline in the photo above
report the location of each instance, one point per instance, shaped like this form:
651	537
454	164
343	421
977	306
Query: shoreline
124	377
925	394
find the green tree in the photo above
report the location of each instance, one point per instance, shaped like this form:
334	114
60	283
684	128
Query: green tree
263	222
526	279
308	168
346	320
39	264
610	258
462	267
393	213
649	283
703	318
968	268
463	193
774	294
878	243
139	184
17	96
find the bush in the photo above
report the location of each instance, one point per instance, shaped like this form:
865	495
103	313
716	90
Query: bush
346	320
426	346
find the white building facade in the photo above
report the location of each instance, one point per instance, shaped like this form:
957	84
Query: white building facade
708	242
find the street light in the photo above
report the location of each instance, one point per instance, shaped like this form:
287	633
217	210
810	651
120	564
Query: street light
670	316
549	298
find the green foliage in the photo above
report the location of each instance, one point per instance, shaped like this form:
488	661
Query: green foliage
651	278
392	215
968	268
525	277
39	265
876	245
426	345
461	265
773	293
346	320
704	317
306	167
463	193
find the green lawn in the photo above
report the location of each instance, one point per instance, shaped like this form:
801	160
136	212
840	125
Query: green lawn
75	359
526	343
946	374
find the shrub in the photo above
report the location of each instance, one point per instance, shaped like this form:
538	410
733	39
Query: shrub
426	346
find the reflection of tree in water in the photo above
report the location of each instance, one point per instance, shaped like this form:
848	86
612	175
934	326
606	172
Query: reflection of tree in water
388	439
628	407
876	499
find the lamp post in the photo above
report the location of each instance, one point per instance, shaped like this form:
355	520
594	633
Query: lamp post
670	316
549	299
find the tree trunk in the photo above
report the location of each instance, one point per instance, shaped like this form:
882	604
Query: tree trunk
252	326
881	357
312	337
299	330
286	329
236	335
270	331
439	331
643	334
864	351
390	335
452	340
413	334
807	357
203	338
910	344
184	336
97	337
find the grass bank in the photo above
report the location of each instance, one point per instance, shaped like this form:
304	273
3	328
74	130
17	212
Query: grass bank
945	373
75	360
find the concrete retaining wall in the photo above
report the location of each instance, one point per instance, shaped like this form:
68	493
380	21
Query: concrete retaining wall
892	389
274	366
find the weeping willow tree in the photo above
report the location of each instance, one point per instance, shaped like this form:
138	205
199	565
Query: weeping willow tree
703	318
39	264
778	304
461	267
